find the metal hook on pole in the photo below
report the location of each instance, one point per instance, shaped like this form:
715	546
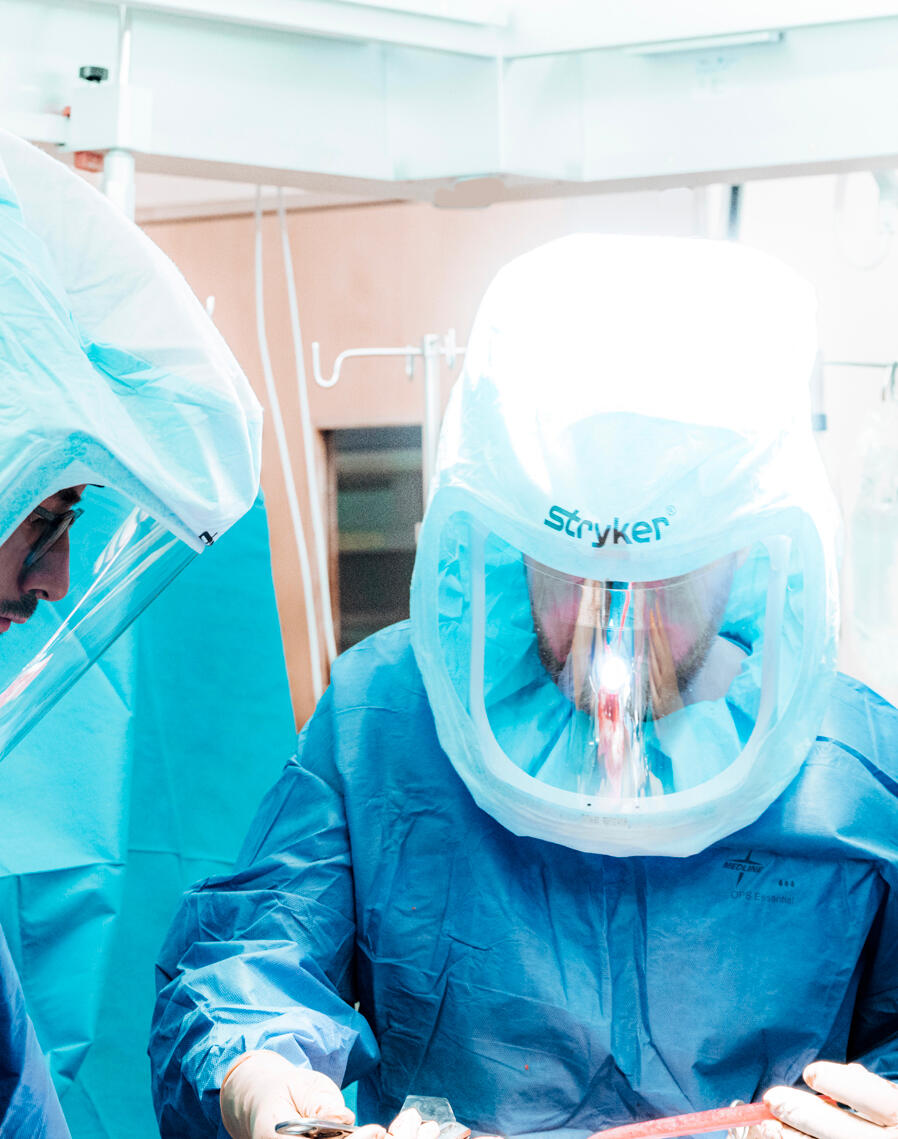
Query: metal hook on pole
433	347
890	384
351	353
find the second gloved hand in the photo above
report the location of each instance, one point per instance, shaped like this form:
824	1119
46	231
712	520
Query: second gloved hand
870	1111
262	1089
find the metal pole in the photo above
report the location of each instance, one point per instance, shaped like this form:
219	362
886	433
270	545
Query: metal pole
118	180
818	404
734	216
430	432
118	163
124	46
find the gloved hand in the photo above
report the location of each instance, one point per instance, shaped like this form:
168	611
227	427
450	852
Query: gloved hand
870	1106
409	1124
262	1089
872	1103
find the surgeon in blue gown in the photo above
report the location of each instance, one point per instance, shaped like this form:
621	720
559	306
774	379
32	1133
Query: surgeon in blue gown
119	402
599	835
28	1100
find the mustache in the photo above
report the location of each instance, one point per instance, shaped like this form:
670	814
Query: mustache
23	607
584	698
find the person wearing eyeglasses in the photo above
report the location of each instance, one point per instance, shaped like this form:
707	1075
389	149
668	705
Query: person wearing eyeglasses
34	559
119	401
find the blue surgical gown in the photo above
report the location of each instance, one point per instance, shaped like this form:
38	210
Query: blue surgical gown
540	989
28	1102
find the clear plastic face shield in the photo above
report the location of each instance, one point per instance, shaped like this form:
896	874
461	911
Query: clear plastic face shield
626	656
607	693
74	573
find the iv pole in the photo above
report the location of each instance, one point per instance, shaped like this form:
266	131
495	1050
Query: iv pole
433	348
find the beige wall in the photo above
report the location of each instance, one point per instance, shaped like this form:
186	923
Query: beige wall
369	276
385	275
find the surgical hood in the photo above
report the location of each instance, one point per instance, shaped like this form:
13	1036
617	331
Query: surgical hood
633	420
635	379
114	373
120	405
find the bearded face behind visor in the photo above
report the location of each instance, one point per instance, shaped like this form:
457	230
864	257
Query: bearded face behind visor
623	605
627	657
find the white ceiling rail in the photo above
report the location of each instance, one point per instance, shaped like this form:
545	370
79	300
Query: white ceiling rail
540	28
518	28
384	101
469	26
434	349
705	43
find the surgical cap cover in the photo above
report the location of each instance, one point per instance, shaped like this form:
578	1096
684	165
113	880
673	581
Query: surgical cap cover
631	409
113	373
113	377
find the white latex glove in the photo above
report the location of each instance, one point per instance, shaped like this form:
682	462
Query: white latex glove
408	1124
870	1111
262	1089
870	1108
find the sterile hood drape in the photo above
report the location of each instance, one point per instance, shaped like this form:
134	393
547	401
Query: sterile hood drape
117	387
628	456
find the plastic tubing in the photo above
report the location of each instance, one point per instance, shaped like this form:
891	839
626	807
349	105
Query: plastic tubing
284	451
305	415
718	1119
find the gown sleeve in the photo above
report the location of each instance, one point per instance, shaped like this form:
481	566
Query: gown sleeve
263	957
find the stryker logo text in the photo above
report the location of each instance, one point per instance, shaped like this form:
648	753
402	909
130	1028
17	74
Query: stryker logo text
615	534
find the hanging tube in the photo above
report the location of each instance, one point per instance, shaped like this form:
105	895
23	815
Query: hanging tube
286	466
305	416
430	431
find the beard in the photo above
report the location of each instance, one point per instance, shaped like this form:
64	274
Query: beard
23	607
584	694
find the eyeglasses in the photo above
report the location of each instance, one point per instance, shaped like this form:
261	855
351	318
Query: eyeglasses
55	525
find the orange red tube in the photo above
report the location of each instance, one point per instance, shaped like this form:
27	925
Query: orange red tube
672	1126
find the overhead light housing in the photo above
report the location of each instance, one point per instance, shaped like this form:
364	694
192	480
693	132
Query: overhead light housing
705	43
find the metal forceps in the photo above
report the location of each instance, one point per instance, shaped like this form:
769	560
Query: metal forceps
315	1128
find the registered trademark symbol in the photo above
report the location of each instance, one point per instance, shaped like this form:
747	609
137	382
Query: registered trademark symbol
671	511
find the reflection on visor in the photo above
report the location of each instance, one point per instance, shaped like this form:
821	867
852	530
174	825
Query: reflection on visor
66	594
627	655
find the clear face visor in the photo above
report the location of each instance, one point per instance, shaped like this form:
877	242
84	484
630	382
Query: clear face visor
74	573
617	691
626	656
